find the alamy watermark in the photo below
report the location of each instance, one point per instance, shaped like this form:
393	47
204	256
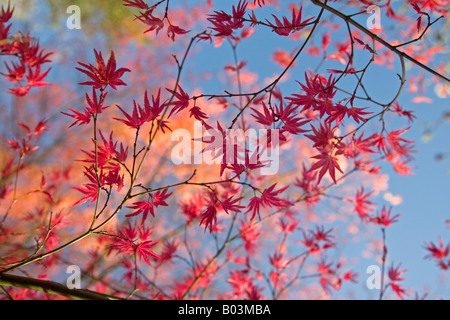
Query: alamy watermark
74	279
374	21
74	20
252	148
374	280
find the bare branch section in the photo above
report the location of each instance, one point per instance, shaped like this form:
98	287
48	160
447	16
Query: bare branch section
391	47
51	287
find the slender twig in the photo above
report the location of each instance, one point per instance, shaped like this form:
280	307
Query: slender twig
383	263
51	287
14	200
376	38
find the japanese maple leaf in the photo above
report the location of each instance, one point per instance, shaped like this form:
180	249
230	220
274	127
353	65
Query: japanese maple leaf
260	2
16	72
122	154
310	243
409	114
104	154
326	162
283	58
365	45
318	95
140	4
398	290
20	91
285	113
26	148
254	207
380	142
197	113
96	105
38	129
286	27
154	109
224	24
159	198
136	119
394	138
309	99
239	66
163	125
437	252
293	125
130	240
324	267
384	217
209	217
232	205
288	226
330	282
394	273
322	235
5	15
278	261
144	207
168	251
250	160
143	251
265	119
31	52
270	197
341	111
113	177
182	100
401	167
153	22
350	276
440	6
359	145
173	30
103	75
90	189
362	205
307	181
35	77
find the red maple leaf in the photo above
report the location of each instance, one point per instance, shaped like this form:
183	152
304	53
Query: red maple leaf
286	27
254	207
173	30
270	197
209	217
103	75
326	162
182	101
90	189
140	4
384	217
437	252
265	119
144	207
362	205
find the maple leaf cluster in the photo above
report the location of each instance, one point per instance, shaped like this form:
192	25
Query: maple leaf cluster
26	71
106	161
154	22
134	241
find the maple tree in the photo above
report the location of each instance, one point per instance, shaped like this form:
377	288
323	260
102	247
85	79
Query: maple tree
92	182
